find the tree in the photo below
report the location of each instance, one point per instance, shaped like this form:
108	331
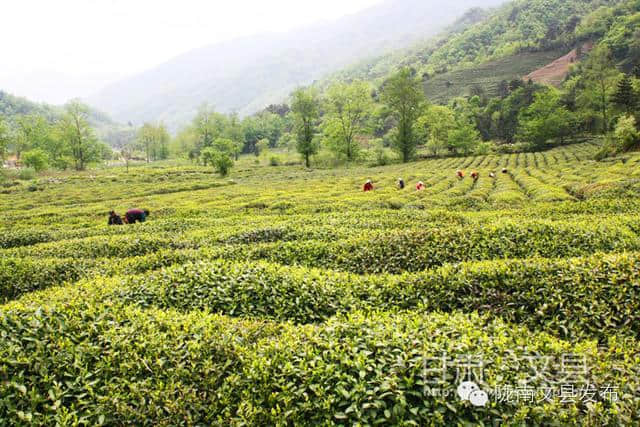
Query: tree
219	155
75	130
348	106
305	107
208	125
126	152
161	146
545	119
624	96
5	139
36	159
626	133
261	147
600	74
463	137
434	126
32	131
145	139
235	133
404	96
154	141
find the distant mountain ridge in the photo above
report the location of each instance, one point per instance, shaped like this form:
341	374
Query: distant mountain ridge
246	75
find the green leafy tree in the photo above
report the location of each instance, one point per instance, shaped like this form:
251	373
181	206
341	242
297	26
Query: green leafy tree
545	119
154	141
32	131
347	108
219	155
403	94
36	159
235	133
75	130
305	107
600	75
5	139
624	96
626	133
208	126
261	147
463	137
434	127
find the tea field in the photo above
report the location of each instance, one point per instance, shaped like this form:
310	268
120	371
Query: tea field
282	296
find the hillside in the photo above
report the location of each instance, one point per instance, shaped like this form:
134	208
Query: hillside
248	74
487	76
289	303
512	42
12	106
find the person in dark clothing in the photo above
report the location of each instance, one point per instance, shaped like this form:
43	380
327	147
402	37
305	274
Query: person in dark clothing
114	218
401	183
136	215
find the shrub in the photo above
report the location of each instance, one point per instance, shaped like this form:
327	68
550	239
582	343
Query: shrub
36	159
122	365
568	298
26	174
274	161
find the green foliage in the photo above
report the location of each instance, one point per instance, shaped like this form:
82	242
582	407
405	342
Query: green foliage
154	141
74	130
261	147
5	139
403	94
305	107
625	97
545	119
36	159
348	107
219	155
462	137
626	133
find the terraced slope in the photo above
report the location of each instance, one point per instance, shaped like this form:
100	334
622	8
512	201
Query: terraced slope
283	296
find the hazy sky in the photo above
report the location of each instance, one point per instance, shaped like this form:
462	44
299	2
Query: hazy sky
54	50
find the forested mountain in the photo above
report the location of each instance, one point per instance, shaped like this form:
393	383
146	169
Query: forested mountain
248	74
511	42
12	106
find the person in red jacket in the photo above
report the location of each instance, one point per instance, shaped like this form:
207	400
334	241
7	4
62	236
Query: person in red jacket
475	175
420	186
460	174
136	215
368	186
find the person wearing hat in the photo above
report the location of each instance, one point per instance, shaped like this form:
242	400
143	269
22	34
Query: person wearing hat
420	186
368	186
401	183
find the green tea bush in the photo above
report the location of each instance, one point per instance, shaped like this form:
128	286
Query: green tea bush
19	276
101	246
397	252
575	297
102	365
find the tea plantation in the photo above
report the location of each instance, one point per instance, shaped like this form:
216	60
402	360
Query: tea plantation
282	296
